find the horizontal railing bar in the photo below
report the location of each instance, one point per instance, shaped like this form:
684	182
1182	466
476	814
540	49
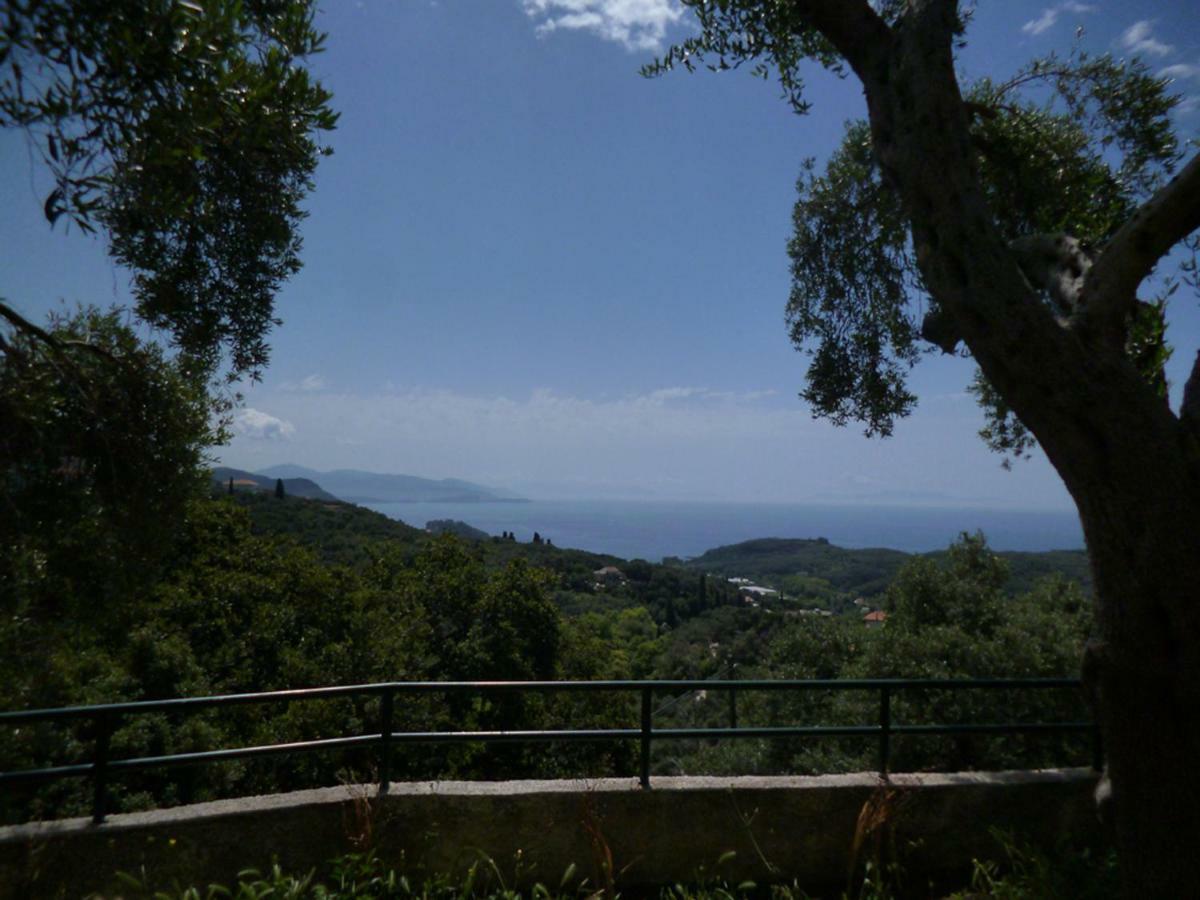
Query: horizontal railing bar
192	703
844	730
184	759
72	771
766	731
470	737
601	734
200	756
987	728
417	687
444	737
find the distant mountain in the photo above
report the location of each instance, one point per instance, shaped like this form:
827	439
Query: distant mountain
355	486
293	487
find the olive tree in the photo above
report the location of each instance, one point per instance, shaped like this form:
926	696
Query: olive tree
186	133
1016	222
102	448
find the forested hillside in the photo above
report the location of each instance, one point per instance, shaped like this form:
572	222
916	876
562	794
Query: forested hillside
233	480
803	566
257	592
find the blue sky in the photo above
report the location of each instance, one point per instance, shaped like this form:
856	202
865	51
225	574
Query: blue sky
527	266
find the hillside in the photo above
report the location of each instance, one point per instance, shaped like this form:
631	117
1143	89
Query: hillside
337	532
345	533
249	481
355	486
1026	569
806	566
770	560
455	527
812	569
265	593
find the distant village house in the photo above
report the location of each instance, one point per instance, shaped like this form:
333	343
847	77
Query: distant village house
608	575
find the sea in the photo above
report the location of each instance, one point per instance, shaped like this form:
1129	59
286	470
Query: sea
652	529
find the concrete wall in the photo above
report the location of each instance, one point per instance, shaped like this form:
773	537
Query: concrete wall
779	828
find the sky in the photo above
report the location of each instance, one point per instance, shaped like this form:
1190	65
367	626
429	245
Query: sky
529	267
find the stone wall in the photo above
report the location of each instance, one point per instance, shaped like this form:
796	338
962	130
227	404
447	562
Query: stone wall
780	828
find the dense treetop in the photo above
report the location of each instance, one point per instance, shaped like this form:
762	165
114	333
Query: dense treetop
188	134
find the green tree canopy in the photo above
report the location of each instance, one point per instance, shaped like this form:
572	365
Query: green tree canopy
966	591
187	132
101	451
858	306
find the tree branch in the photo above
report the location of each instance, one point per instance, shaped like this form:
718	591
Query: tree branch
856	31
1056	264
1110	289
1189	411
939	329
20	323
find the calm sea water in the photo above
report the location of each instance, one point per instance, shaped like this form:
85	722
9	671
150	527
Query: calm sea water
654	529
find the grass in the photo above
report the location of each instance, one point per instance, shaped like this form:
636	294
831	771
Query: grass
1023	874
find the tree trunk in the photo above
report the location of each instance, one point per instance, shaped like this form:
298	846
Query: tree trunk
1145	667
1129	463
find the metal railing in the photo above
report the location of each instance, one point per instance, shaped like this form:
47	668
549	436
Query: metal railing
106	718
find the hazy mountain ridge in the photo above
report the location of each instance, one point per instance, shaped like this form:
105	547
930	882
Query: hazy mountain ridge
292	486
356	486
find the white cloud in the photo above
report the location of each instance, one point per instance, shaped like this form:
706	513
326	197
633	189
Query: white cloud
258	425
446	433
1188	105
307	384
666	395
1044	22
635	24
1180	71
1051	14
1137	38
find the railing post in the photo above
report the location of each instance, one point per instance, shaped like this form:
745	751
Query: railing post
104	730
1097	749
645	762
885	729
733	707
385	741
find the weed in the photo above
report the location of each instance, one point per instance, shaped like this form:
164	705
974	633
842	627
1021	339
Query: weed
1029	873
874	846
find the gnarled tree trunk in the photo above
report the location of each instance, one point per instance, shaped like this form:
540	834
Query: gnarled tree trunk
1132	466
1142	534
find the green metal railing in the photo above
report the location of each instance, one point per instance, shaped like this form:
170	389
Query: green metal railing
100	768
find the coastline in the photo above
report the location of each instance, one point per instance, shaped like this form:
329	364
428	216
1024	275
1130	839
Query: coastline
651	530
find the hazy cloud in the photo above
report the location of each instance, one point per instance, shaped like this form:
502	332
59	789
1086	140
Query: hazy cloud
665	395
635	24
1137	38
1180	71
1050	15
258	425
685	441
307	384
